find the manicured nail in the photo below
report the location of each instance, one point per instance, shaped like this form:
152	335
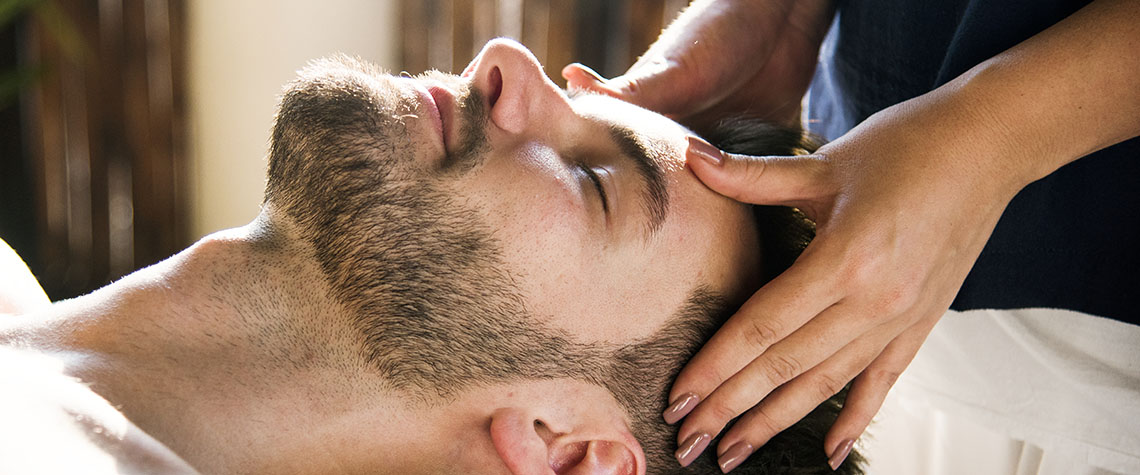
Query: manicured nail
704	150
680	407
593	74
691	448
840	454
734	456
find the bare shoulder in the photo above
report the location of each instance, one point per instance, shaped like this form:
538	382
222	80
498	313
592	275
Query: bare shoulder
20	292
53	423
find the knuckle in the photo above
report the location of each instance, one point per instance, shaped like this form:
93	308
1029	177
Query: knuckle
761	333
885	378
754	168
722	413
860	272
894	295
827	385
898	298
760	423
782	368
632	88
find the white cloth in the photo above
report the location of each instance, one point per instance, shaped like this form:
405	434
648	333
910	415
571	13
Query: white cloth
1027	391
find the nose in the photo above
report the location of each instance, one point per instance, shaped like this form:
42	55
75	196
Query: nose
520	95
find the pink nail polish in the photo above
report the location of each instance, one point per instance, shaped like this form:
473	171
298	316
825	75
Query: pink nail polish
691	448
840	453
680	407
704	150
734	456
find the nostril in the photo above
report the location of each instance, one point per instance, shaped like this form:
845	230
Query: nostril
496	86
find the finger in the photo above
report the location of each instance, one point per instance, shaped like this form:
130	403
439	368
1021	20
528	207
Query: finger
818	341
580	76
774	312
871	387
791	402
651	87
771	180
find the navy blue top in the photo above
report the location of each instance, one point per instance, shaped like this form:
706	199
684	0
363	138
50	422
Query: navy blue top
1070	240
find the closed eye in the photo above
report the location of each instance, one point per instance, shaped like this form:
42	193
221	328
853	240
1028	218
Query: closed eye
597	185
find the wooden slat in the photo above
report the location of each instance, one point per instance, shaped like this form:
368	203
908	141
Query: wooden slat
462	33
484	20
147	175
84	168
509	18
561	38
45	108
413	47
108	98
158	148
536	27
104	141
439	14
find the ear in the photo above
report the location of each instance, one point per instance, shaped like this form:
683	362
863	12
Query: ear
530	446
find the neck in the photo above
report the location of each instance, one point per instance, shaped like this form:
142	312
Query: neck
230	352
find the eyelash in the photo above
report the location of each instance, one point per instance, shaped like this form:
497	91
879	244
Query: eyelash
593	176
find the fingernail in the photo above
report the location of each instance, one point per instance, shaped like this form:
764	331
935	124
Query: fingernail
680	407
704	150
734	456
840	454
691	448
593	74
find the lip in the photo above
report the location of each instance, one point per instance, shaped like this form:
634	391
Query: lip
444	101
431	112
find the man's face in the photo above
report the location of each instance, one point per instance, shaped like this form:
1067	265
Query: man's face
604	229
488	231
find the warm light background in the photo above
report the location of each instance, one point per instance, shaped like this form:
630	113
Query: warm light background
240	53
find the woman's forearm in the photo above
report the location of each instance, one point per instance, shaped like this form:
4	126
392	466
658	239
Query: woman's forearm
1062	94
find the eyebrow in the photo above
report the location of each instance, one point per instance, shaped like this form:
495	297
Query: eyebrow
655	197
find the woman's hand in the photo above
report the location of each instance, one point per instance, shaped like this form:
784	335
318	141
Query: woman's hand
724	58
904	204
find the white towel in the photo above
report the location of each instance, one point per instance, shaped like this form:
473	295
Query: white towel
1027	391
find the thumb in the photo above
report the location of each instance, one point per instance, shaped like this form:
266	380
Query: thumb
769	180
646	87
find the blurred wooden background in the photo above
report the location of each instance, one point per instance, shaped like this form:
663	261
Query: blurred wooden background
93	164
606	35
93	111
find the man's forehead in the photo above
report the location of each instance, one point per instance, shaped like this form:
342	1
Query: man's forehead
590	103
659	135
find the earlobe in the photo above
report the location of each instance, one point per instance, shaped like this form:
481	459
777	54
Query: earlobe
598	457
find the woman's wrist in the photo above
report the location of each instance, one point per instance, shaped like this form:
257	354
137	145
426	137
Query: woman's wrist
948	144
1058	96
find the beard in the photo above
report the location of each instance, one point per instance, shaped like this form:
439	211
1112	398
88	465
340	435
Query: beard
434	305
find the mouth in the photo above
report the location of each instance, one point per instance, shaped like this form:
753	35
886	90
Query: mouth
445	103
439	108
431	113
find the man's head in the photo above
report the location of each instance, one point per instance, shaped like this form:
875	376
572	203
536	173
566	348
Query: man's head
536	264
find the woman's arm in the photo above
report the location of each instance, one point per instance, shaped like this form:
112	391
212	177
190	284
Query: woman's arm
905	203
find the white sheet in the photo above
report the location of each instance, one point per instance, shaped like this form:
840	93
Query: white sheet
1028	391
